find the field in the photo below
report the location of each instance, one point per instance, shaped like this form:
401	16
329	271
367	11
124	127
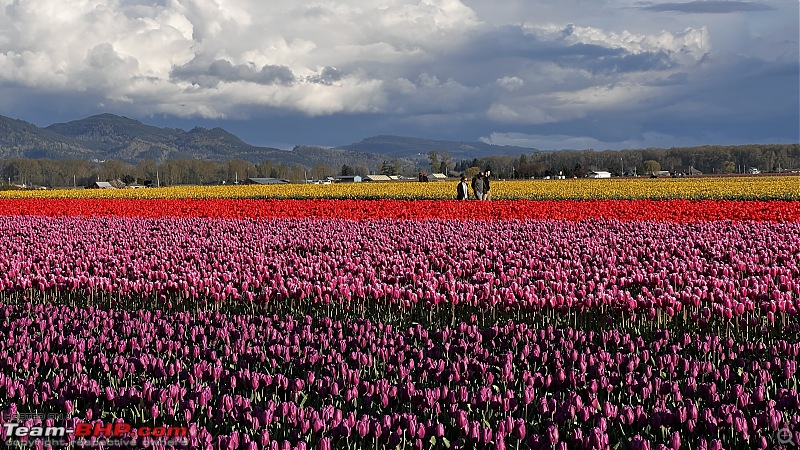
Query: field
588	314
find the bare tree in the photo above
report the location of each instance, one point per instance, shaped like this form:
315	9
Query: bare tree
146	170
22	171
322	170
433	157
113	169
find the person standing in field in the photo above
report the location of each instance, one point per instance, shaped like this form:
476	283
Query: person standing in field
463	189
477	186
486	193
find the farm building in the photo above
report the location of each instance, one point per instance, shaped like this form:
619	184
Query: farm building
377	178
686	170
438	177
599	174
348	179
100	185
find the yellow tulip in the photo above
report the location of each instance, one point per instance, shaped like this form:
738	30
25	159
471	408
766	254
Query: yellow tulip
734	188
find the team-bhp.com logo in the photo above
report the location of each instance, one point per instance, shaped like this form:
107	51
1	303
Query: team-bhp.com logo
86	431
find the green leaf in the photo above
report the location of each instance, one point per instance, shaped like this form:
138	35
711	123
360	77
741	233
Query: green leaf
303	402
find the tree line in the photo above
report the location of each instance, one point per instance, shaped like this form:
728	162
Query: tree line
183	171
709	159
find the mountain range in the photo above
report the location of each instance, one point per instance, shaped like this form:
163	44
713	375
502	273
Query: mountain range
107	136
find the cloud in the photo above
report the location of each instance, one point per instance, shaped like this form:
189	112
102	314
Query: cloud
510	83
708	7
523	113
155	55
554	142
608	70
573	142
427	94
572	72
327	76
221	70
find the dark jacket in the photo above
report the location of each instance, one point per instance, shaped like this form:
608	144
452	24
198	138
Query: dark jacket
463	190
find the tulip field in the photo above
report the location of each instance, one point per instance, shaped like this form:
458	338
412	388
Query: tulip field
785	187
616	317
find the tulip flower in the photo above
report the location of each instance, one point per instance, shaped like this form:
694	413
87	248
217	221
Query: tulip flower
675	440
411	331
552	434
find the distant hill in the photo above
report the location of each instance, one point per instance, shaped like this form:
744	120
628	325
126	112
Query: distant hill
20	139
414	148
336	157
115	137
111	137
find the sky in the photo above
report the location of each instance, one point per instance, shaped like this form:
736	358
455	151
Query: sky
545	74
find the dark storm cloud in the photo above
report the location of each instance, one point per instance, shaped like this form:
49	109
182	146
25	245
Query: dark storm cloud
513	46
627	62
758	105
221	70
514	42
708	7
327	76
